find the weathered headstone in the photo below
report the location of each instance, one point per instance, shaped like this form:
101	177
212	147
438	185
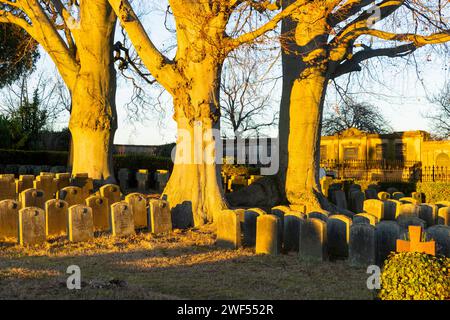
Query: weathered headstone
444	216
100	212
139	205
268	234
340	200
111	192
428	213
408	209
250	217
410	200
80	223
71	195
62	180
313	239
124	176
291	233
56	212
122	222
404	221
338	235
441	235
160	216
162	177
9	217
31	226
383	196
280	212
322	215
32	198
417	196
371	193
365	218
391	209
357	198
142	180
375	208
398	195
362	247
47	184
386	234
228	230
85	183
25	182
7	188
441	204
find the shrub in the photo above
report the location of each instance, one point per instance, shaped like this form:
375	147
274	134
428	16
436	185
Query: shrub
434	191
142	161
415	276
239	170
21	157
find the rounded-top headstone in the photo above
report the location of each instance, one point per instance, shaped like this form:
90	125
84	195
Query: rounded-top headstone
268	234
441	235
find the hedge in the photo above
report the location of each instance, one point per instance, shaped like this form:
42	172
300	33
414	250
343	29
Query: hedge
21	157
434	191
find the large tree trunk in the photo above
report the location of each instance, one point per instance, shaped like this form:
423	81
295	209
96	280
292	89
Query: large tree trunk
194	190
93	120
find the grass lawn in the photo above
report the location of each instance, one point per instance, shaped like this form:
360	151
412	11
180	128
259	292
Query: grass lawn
182	265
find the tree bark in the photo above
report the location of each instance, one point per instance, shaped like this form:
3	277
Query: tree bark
93	120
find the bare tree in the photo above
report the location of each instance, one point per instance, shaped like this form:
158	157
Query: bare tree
246	99
440	117
351	114
79	38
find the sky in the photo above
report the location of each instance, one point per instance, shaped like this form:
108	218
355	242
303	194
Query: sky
397	92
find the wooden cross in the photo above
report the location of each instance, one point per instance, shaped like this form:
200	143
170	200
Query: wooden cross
414	245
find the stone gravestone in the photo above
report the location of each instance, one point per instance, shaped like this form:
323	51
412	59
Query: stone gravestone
371	193
32	198
7	188
398	195
56	212
9	216
340	200
142	180
391	190
80	223
280	212
408	209
313	239
25	182
228	230
391	209
386	234
268	234
160	219
440	234
410	200
322	215
71	195
100	212
249	231
110	192
138	203
122	222
444	216
366	218
83	181
383	196
375	208
291	233
404	221
362	250
62	180
356	198
338	235
124	176
48	184
31	226
162	177
428	213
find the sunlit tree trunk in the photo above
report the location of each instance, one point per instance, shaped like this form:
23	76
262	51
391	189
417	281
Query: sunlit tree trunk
93	120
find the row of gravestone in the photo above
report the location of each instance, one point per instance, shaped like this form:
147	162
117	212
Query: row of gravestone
234	183
143	179
30	169
317	235
33	225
